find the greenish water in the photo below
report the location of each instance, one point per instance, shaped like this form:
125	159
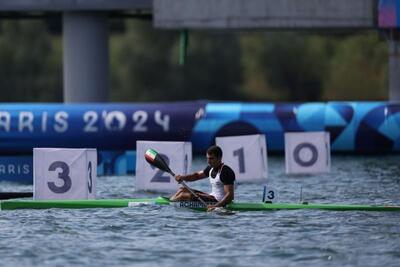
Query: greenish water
168	236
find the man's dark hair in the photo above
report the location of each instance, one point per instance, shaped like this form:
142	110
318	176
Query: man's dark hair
215	150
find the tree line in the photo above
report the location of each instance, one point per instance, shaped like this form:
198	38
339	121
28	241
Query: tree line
220	65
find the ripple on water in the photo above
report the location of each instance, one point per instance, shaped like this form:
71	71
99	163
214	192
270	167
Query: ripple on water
169	236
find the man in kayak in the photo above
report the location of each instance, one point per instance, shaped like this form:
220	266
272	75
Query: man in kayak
222	179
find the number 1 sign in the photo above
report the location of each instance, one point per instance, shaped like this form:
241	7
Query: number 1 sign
178	155
63	173
246	155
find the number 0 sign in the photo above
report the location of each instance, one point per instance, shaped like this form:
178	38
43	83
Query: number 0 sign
307	152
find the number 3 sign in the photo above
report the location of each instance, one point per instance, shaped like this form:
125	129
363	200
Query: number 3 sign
177	154
62	173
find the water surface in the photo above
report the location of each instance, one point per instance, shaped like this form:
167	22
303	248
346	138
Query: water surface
169	236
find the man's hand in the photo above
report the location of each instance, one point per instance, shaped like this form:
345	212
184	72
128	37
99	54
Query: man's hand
179	178
211	207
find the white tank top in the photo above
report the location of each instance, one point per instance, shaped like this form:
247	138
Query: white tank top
217	187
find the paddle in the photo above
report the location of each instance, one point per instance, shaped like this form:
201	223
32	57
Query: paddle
155	159
10	195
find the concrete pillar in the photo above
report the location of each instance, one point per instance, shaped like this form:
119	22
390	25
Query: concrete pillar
394	66
86	64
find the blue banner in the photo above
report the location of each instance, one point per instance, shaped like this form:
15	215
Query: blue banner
101	126
16	169
353	126
389	13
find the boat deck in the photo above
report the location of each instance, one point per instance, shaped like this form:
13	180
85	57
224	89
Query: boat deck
237	206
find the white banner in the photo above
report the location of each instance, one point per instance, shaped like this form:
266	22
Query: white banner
63	173
178	155
246	155
307	152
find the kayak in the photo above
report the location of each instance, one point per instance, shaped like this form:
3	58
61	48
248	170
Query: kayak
134	202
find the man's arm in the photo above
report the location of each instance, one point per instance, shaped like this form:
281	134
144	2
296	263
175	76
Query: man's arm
227	177
229	196
191	177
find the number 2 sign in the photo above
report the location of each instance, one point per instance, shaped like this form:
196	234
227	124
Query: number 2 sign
178	155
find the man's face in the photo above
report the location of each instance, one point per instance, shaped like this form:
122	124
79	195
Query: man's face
213	161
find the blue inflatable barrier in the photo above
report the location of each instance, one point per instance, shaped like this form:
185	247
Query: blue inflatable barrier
116	162
102	126
353	126
20	168
16	169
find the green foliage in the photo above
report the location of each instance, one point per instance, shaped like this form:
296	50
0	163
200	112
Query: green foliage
145	66
30	66
291	66
141	63
220	65
358	69
258	66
